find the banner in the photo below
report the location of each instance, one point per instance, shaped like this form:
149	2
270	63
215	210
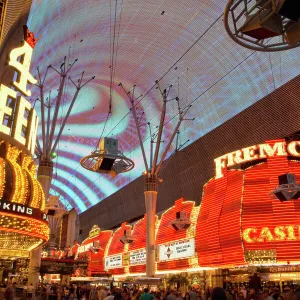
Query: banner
177	250
112	262
137	257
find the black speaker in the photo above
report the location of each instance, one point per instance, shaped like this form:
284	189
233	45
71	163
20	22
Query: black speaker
51	212
290	9
286	178
107	164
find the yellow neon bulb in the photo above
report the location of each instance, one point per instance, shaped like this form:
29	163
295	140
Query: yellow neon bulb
5	93
21	121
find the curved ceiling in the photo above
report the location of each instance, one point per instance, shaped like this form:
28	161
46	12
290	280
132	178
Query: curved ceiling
182	43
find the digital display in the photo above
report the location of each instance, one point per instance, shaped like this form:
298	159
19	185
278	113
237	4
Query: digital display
218	77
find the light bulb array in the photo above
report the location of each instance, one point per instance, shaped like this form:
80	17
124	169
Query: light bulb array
23	225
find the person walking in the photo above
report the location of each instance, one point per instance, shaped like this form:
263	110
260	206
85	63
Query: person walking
193	294
146	295
9	292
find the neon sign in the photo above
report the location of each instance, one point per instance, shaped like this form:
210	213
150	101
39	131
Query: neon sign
266	234
22	210
255	152
17	118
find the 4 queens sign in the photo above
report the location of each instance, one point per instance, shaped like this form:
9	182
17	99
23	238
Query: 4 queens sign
17	118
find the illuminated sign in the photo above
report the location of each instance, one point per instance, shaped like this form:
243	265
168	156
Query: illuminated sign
255	152
265	234
17	118
22	210
137	257
177	250
85	248
94	231
115	261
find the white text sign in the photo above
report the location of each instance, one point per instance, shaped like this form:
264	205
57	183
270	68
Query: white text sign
177	250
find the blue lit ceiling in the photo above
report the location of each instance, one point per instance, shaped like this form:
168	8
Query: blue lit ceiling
217	76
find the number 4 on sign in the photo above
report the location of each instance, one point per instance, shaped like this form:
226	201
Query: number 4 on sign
20	59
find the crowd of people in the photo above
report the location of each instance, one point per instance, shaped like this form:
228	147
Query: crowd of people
88	292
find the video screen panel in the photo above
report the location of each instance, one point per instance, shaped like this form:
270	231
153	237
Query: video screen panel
218	77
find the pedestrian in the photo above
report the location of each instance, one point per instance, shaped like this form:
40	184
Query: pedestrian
193	294
146	295
9	292
187	296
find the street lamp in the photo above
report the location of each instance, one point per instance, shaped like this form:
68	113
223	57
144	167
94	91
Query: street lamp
151	179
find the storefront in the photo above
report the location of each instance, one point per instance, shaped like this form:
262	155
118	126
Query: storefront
23	223
240	228
242	223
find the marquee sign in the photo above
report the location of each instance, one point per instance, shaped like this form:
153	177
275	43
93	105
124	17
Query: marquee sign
85	248
17	118
22	210
177	250
137	257
115	261
262	229
266	234
255	152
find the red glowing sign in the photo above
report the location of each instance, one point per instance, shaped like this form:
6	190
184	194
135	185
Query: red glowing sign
240	224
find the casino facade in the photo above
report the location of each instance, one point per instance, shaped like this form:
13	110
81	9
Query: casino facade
240	227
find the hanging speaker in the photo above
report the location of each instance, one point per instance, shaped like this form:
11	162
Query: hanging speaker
292	34
263	25
290	9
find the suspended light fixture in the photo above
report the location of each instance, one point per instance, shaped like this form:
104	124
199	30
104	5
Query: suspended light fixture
127	237
54	211
107	159
263	25
287	189
181	221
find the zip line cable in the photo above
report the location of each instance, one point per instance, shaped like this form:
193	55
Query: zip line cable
194	100
149	90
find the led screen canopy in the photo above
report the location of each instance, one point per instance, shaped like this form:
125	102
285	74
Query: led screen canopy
217	76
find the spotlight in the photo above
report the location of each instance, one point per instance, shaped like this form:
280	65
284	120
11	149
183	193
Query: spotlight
107	159
263	25
287	189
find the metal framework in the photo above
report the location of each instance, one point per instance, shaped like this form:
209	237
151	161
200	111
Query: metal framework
50	140
121	164
49	125
259	14
152	169
54	211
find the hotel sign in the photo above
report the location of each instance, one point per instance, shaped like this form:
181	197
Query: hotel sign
20	209
177	250
85	248
137	257
255	152
17	118
112	262
276	234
